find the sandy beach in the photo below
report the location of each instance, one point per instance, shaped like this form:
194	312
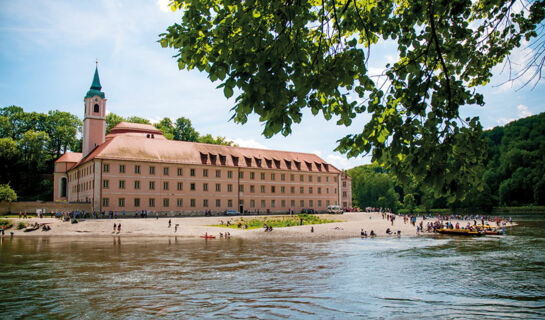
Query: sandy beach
349	225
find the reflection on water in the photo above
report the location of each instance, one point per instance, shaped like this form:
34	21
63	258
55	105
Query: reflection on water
490	277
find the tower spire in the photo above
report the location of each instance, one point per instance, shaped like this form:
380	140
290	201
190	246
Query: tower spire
96	80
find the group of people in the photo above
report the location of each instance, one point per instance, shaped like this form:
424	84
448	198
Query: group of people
117	227
267	228
371	234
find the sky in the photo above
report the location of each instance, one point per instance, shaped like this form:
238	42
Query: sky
48	51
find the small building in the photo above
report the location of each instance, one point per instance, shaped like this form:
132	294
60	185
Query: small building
136	168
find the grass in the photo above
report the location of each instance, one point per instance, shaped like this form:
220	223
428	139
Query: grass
21	225
276	221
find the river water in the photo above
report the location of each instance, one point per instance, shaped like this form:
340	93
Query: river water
495	277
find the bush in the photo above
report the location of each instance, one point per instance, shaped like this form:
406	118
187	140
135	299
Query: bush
5	223
21	225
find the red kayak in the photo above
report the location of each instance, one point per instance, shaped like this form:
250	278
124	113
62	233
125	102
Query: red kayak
208	237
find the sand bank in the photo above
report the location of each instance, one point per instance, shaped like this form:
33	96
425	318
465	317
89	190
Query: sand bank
349	225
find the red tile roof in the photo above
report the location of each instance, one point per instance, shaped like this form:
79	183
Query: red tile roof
124	127
139	148
70	157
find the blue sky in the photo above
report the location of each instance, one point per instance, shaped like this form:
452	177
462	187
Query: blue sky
47	59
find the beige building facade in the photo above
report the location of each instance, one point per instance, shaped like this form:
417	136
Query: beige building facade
136	168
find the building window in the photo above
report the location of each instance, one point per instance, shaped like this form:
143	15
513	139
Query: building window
334	179
273	177
309	178
319	179
319	203
292	177
165	171
165	202
283	177
252	189
283	189
344	194
327	202
302	203
273	203
319	190
292	189
241	175
301	190
192	187
311	203
230	174
205	203
121	184
262	189
165	185
327	190
292	203
218	187
301	178
192	203
205	187
310	190
179	202
262	203
180	171
252	175
273	189
137	202
192	172
151	202
152	185
230	203
241	188
180	185
218	173
105	202
205	172
96	108
218	203
229	188
344	184
283	203
106	184
106	168
252	203
137	169
335	190
121	202
262	176
121	168
151	170
326	179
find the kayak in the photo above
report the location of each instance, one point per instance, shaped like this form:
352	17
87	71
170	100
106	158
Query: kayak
208	237
460	232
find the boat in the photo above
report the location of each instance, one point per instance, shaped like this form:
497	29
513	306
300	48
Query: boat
208	237
493	232
460	232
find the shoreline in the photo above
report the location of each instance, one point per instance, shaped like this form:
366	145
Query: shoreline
349	226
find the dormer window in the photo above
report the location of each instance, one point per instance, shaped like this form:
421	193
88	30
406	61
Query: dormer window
297	164
96	108
248	161
213	158
269	162
277	163
223	159
309	165
318	166
235	160
204	158
258	162
288	164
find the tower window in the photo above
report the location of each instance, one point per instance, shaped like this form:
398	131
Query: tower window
96	107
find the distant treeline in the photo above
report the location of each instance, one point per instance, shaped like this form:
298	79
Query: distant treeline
514	175
30	142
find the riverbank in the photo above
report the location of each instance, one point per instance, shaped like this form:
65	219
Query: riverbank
349	225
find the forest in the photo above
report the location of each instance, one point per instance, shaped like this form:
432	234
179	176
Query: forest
514	175
30	142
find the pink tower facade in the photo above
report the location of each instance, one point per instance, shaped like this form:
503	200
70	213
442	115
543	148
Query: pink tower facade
94	118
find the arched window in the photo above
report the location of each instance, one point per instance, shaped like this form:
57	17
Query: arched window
97	107
63	188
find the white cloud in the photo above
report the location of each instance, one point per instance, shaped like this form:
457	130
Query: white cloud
523	111
248	143
163	5
342	163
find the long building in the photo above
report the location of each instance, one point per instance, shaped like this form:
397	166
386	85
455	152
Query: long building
136	168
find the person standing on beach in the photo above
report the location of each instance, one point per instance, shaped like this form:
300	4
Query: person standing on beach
119	228
115	227
169	222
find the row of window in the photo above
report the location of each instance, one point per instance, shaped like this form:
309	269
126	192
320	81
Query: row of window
192	187
151	203
192	173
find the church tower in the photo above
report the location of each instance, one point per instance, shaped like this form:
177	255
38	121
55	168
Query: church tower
94	118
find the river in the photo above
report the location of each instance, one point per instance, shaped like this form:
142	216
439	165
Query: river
494	277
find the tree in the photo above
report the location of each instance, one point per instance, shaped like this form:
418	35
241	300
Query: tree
184	130
166	127
112	120
285	56
62	128
409	202
32	148
7	194
208	138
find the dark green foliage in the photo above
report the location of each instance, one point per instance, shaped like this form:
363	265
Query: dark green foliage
5	223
